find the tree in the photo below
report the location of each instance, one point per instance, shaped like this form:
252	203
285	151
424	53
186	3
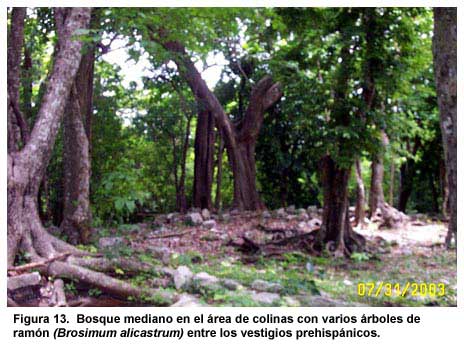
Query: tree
360	208
336	232
76	222
240	139
445	62
26	167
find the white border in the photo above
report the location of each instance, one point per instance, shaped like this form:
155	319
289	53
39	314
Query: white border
441	326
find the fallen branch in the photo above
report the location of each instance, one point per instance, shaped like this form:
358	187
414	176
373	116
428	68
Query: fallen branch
26	267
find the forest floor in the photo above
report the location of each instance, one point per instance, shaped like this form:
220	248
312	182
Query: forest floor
210	265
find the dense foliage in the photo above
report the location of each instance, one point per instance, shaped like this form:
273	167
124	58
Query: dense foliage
140	127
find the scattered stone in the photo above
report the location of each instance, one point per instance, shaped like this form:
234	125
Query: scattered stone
110	242
224	237
194	219
291	217
265	298
205	279
182	277
225	217
301	211
291	209
205	214
172	217
187	300
303	216
159	252
289	301
264	286
280	213
209	224
347	283
312	209
266	214
407	252
231	284
314	223
234	212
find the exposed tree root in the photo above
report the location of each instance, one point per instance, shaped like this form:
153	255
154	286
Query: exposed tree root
56	258
34	265
309	242
59	296
390	217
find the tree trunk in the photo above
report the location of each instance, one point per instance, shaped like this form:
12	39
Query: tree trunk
218	199
182	203
76	222
376	195
336	231
445	63
204	159
445	190
391	188
17	127
76	168
405	185
360	212
26	168
240	139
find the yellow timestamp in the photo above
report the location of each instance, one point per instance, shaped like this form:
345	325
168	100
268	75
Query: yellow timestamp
388	289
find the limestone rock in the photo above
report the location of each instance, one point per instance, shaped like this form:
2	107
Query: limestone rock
209	224
264	286
280	213
205	279
110	242
291	209
266	214
194	218
265	298
231	284
187	300
182	277
205	214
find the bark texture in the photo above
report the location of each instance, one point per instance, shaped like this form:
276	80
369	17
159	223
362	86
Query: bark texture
218	197
376	195
76	153
204	159
445	63
18	132
337	232
360	212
